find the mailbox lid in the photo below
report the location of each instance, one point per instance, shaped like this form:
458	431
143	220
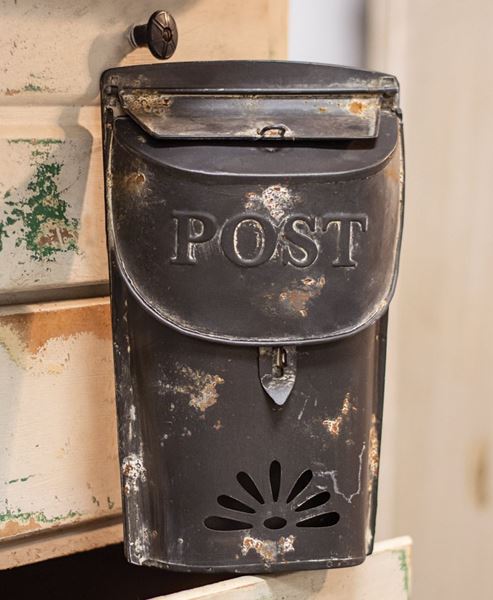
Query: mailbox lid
252	100
288	241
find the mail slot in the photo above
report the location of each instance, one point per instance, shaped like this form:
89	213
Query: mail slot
254	216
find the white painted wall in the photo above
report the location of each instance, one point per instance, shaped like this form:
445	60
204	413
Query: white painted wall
330	31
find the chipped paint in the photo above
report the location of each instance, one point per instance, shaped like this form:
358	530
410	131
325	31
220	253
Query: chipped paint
19	480
198	386
403	557
28	338
17	522
133	472
333	426
134	183
150	102
38	217
268	550
276	200
296	299
373	451
36	141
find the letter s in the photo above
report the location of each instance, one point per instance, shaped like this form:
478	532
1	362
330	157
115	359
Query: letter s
301	240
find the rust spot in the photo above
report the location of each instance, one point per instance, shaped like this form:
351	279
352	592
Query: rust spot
148	102
394	171
297	298
268	550
373	449
322	109
134	182
133	472
356	107
333	426
218	425
200	387
35	329
12	92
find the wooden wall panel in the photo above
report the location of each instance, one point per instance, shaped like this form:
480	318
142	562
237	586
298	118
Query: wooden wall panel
58	447
53	53
51	201
59	481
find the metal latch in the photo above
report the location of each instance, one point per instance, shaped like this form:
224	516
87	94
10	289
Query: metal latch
277	371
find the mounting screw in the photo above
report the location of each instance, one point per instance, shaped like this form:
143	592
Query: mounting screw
160	34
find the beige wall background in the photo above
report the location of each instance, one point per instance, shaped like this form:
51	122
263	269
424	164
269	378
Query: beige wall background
438	434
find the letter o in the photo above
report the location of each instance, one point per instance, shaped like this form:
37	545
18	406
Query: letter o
229	240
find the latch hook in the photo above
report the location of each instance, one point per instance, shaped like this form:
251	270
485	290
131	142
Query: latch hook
277	371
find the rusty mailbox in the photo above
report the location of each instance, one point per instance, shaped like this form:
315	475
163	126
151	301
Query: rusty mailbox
254	215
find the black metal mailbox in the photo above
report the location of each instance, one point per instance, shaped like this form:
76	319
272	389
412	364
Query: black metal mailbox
254	215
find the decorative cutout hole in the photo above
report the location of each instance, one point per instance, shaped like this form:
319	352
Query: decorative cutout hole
275	479
224	524
249	486
275	523
325	520
275	514
301	483
314	501
234	504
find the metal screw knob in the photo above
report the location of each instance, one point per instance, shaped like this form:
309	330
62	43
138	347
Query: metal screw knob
160	34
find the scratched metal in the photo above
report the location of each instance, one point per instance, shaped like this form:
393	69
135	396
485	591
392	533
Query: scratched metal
250	281
220	116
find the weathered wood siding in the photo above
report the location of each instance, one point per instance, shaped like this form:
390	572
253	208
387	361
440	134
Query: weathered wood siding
52	54
59	483
58	435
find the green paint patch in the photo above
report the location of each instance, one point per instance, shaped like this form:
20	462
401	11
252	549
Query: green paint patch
20	479
3	234
404	567
32	87
35	87
36	141
39	517
41	215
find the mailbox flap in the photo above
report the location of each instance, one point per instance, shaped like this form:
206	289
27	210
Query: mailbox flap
166	115
275	241
252	100
252	259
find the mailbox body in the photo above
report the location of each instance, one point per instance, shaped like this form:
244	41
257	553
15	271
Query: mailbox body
254	211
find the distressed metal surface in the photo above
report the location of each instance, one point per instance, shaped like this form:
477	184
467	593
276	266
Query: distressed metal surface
166	115
305	244
241	245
